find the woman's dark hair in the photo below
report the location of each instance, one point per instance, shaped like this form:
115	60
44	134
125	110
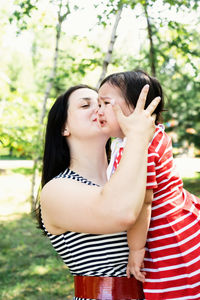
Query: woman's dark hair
131	83
56	156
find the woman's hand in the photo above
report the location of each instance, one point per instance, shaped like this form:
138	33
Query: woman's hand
135	264
141	121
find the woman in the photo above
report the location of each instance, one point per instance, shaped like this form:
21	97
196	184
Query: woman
172	259
85	216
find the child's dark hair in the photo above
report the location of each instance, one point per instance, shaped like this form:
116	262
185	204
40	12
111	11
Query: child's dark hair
131	83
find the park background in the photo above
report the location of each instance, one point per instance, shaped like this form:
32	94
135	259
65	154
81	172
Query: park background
47	46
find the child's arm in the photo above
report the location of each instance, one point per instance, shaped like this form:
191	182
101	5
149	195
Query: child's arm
137	239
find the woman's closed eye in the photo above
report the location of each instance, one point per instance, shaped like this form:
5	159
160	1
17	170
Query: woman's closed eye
85	104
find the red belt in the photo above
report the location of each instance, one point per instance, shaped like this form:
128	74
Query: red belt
108	288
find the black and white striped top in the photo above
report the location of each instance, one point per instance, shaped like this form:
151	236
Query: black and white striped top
91	254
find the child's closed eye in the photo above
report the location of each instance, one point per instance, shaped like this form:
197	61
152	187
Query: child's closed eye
106	102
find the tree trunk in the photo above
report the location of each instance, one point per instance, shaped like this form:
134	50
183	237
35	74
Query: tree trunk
61	18
113	38
150	36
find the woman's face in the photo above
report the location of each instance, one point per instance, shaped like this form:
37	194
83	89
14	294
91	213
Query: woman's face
82	121
107	119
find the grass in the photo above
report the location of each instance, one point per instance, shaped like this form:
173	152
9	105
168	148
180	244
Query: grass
23	171
8	157
29	267
193	184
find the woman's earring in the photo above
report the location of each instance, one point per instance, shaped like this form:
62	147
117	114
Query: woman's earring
66	132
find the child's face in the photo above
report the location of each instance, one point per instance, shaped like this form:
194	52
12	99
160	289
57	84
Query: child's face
108	121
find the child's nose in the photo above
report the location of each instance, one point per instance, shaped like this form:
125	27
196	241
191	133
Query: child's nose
100	110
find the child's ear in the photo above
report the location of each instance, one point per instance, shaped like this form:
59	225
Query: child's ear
65	132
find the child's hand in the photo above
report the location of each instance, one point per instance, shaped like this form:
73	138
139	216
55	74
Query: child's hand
141	121
135	264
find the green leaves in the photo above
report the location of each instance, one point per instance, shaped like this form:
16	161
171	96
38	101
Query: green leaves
22	13
176	47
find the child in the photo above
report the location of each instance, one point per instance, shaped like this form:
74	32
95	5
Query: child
172	225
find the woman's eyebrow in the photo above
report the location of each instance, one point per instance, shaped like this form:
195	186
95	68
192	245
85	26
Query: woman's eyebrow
85	98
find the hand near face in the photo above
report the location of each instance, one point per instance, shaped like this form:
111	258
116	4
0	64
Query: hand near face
141	121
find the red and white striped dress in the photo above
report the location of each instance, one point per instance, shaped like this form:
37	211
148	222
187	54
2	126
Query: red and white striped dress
172	259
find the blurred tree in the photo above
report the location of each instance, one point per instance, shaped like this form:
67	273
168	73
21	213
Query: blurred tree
155	23
61	16
29	85
21	15
108	56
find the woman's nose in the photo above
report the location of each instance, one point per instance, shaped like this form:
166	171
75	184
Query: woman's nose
100	110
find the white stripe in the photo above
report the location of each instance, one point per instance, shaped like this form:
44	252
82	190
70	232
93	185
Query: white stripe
175	244
85	262
58	237
171	200
164	163
59	249
165	194
151	173
153	154
170	223
167	150
91	266
84	236
169	212
163	181
160	143
57	244
151	183
174	255
176	288
88	240
174	233
174	277
76	252
174	267
99	255
155	134
168	185
151	164
165	172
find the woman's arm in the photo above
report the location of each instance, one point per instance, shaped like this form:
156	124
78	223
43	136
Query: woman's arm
137	236
70	205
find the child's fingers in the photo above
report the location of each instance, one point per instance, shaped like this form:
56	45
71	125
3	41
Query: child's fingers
142	98
152	106
128	272
138	274
154	117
